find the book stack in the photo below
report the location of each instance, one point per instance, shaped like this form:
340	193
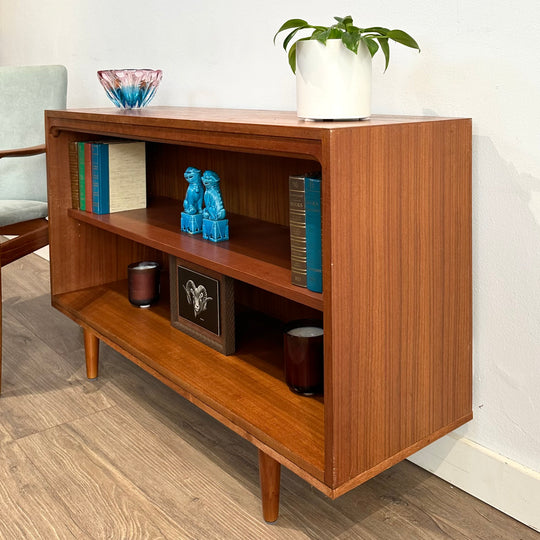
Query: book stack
306	231
109	176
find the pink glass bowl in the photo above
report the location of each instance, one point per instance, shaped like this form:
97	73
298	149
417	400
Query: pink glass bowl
130	88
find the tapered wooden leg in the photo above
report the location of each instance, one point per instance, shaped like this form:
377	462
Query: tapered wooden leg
91	349
269	474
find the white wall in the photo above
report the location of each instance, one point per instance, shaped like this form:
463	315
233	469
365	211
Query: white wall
479	59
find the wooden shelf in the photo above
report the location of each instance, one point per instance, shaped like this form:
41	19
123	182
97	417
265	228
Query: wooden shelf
257	253
247	388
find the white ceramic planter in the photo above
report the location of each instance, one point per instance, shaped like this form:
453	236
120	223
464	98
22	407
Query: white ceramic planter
332	83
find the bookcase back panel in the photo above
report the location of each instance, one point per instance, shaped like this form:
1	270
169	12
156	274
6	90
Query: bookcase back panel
99	264
272	305
251	185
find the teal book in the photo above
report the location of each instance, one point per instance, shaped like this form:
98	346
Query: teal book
82	191
313	234
118	176
100	178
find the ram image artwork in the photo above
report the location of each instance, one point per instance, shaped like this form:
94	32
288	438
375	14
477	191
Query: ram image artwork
197	297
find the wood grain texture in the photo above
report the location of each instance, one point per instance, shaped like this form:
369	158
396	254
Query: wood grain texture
21	228
91	352
31	236
253	122
65	393
151	462
30	508
167	163
257	253
270	476
400	366
22	152
396	204
247	387
78	474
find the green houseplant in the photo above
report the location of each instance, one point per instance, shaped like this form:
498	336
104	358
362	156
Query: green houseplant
375	37
333	65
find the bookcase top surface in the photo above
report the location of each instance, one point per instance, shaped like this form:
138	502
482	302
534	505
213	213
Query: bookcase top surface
228	119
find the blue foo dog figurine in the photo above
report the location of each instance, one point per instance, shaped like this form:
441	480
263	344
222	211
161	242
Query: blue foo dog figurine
215	226
192	218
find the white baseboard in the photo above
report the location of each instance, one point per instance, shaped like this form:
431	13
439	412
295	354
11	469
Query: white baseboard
490	477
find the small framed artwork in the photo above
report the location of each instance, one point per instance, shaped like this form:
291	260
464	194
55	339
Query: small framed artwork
202	304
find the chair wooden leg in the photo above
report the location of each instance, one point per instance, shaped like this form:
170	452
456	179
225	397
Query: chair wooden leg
91	350
269	474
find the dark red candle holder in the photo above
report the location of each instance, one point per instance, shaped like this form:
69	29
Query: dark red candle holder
303	356
144	283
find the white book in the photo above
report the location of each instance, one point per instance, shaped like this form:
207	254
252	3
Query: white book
127	176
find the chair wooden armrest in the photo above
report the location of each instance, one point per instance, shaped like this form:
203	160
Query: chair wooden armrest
30	235
21	152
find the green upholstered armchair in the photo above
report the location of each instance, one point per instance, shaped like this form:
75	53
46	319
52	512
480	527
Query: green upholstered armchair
25	93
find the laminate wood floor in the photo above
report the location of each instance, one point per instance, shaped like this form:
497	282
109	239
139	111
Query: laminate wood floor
124	457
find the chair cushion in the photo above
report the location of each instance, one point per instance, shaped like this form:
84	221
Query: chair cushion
17	211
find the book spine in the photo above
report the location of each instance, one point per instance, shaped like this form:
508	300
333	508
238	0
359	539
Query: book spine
74	174
126	176
88	176
313	234
82	189
100	178
297	224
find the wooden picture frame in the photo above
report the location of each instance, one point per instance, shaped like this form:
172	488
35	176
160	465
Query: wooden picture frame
202	304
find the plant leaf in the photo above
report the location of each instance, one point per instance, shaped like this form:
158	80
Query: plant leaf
350	41
372	45
347	20
321	36
291	23
378	30
316	34
385	48
375	37
402	37
335	33
287	40
292	54
292	57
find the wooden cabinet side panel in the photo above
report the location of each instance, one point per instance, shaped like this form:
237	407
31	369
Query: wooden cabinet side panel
397	279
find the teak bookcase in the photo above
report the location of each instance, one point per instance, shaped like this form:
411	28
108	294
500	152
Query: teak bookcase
396	301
